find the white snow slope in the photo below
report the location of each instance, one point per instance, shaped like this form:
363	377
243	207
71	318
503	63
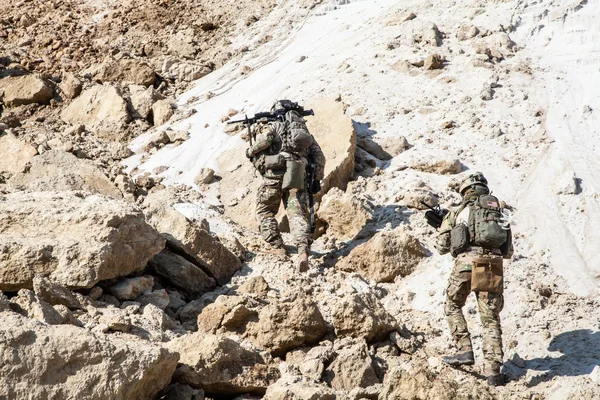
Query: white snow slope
537	141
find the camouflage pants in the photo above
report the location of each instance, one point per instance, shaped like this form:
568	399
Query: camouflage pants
490	305
295	202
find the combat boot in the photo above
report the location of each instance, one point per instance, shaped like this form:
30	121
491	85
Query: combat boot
302	262
494	377
462	358
496	380
275	248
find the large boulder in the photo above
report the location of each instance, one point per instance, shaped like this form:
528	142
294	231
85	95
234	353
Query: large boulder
288	323
361	315
181	273
311	361
227	314
162	111
99	107
344	214
74	240
27	89
290	388
15	153
385	256
374	148
122	71
142	100
188	71
220	365
58	171
335	133
65	362
187	237
417	380
443	166
352	366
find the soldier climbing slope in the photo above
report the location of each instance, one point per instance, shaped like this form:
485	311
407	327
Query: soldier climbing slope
282	153
478	235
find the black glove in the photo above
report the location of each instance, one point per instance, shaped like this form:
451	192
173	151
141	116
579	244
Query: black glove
249	154
315	187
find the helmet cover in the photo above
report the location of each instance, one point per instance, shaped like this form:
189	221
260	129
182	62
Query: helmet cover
472	181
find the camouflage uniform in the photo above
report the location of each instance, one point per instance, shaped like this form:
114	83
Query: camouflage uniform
458	289
270	193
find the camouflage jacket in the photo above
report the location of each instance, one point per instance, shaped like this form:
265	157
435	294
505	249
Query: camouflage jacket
268	142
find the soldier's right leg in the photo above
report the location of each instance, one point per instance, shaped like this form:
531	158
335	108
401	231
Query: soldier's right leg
459	287
267	205
490	305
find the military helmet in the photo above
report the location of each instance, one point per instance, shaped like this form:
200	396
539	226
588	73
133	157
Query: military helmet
472	181
282	106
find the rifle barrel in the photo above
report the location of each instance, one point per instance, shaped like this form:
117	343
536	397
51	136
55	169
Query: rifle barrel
428	206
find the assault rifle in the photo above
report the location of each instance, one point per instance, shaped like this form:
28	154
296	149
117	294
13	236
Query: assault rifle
310	176
268	116
434	216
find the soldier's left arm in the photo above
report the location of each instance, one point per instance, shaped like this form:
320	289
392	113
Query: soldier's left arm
315	154
263	140
442	243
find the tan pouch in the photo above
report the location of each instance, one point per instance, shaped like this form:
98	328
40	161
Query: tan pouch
487	275
276	162
294	177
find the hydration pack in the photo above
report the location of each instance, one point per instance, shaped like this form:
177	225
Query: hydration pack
484	224
296	138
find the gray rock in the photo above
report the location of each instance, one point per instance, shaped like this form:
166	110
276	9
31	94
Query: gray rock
205	176
182	273
160	298
131	288
54	293
29	305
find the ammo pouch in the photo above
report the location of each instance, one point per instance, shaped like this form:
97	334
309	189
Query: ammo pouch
487	275
276	162
295	175
459	239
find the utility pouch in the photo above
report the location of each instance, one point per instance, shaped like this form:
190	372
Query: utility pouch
459	239
276	162
294	177
487	275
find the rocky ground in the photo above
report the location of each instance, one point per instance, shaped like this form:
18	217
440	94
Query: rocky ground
130	265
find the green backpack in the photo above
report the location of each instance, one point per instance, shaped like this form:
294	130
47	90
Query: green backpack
484	223
296	138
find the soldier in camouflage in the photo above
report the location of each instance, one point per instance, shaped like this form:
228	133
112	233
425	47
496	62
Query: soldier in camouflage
459	287
269	142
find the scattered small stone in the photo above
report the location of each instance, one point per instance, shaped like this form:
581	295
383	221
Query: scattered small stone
205	176
433	61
